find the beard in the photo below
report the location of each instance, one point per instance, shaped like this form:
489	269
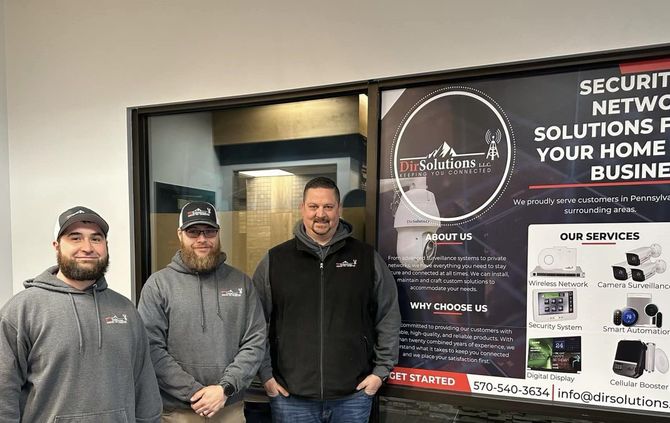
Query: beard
200	264
321	220
74	270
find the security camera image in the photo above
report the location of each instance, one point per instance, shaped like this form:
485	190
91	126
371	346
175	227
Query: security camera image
429	252
633	259
640	255
620	271
647	270
555	354
638	275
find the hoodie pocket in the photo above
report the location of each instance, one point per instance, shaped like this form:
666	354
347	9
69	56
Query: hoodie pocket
109	416
205	374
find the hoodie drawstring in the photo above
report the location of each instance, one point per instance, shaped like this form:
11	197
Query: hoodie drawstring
97	312
76	317
218	294
202	304
202	301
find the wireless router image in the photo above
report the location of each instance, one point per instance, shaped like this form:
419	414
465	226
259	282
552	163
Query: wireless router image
558	261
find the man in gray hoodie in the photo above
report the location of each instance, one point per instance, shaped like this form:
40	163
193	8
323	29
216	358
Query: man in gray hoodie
71	349
332	307
205	325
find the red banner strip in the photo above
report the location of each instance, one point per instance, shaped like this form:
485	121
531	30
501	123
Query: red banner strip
432	379
644	66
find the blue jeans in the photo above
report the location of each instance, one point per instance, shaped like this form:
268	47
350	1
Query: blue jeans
353	408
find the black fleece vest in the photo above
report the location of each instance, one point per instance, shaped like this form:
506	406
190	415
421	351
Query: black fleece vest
322	332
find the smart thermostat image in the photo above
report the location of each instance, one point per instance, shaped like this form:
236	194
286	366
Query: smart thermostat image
639	311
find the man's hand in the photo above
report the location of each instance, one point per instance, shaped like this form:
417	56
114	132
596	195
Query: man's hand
371	384
207	401
272	388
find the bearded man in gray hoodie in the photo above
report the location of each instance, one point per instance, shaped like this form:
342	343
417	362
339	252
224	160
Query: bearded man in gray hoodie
72	349
205	324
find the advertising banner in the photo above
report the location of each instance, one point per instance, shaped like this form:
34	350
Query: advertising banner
526	218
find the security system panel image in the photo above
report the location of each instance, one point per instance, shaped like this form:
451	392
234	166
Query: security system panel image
558	261
554	304
562	354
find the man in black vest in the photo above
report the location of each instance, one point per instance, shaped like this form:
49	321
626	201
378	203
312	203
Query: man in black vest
332	307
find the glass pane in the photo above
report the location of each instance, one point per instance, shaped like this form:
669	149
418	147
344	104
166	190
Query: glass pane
252	163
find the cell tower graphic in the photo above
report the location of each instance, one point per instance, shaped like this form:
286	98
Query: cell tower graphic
493	140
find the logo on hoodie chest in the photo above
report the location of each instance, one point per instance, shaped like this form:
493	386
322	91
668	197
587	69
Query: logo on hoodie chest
231	292
116	320
347	263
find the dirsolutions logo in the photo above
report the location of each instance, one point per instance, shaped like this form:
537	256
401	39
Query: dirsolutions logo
459	140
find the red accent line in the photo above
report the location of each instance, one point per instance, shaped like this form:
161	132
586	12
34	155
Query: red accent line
552	391
451	313
598	243
599	184
644	66
448	243
432	379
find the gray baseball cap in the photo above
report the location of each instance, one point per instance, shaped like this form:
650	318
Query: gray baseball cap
78	214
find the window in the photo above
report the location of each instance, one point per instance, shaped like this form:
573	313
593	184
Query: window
252	164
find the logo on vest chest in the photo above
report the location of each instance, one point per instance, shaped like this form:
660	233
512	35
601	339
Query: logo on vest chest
231	293
116	320
347	263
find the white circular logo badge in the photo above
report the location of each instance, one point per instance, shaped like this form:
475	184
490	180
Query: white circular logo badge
459	143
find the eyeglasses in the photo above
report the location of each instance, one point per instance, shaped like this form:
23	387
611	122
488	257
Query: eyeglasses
195	233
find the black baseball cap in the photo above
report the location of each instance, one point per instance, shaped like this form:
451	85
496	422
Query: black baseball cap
198	212
78	214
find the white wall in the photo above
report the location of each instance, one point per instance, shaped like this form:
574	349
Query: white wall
5	227
73	66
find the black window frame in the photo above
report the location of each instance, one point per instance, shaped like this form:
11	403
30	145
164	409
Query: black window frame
140	172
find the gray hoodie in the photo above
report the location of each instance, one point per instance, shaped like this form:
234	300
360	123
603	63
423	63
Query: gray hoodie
387	320
204	329
68	355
